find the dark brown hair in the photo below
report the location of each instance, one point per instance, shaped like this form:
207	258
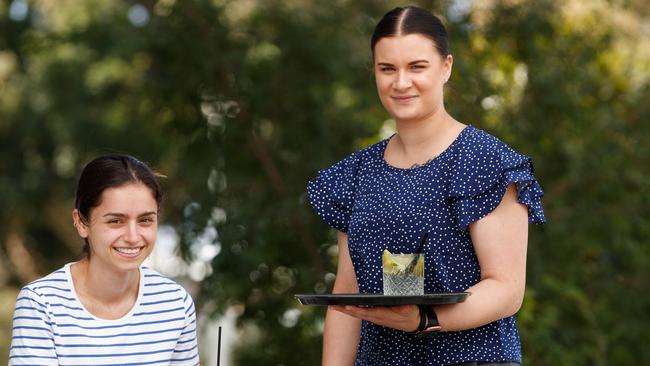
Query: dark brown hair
110	171
412	20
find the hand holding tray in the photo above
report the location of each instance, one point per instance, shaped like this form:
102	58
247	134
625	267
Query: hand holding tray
382	300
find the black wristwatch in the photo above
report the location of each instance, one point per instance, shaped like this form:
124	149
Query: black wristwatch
428	322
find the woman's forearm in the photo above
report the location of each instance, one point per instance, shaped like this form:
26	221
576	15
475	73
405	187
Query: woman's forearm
340	339
341	335
491	300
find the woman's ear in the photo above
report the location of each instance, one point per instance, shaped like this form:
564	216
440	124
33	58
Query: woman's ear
82	229
449	63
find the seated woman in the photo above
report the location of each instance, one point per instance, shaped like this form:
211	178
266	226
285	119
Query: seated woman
107	309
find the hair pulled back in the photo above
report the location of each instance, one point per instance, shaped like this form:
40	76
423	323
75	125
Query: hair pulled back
412	20
111	171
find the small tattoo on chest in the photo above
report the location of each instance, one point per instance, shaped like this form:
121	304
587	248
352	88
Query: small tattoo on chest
425	163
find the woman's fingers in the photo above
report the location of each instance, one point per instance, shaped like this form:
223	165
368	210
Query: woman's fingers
405	317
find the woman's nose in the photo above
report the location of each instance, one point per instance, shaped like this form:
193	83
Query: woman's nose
402	80
132	234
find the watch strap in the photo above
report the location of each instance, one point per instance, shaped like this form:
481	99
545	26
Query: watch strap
431	324
423	322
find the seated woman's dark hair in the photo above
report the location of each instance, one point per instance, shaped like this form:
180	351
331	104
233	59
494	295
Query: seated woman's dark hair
412	20
111	171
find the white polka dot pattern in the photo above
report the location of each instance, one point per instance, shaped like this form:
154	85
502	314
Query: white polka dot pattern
384	207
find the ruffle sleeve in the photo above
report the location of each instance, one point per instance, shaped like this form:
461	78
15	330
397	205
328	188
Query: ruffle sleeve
332	192
483	171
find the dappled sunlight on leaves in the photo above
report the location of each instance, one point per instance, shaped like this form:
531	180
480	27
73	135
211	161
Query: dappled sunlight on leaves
240	103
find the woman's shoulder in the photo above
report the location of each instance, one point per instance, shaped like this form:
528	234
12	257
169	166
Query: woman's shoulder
482	168
373	150
54	283
479	141
347	169
158	284
153	277
363	155
332	192
480	160
479	150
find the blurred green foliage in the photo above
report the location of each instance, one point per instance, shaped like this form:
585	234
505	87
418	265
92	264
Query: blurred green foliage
241	102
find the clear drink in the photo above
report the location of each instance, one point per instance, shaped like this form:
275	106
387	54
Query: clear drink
402	275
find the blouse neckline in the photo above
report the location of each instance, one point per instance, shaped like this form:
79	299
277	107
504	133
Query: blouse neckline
382	152
75	296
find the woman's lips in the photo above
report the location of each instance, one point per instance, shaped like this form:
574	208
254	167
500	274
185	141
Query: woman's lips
403	98
128	252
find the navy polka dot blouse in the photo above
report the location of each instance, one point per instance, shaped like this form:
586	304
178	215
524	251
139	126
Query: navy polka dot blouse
383	207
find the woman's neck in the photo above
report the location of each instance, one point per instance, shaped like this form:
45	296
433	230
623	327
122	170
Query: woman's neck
418	141
105	285
416	133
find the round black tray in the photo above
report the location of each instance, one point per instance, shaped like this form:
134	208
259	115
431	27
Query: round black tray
382	300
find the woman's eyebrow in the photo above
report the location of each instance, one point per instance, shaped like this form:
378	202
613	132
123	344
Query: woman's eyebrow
117	214
410	63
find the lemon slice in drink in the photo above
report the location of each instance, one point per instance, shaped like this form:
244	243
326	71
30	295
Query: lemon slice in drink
398	263
392	263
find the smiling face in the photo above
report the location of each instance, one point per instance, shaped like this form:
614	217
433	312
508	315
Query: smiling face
410	74
121	230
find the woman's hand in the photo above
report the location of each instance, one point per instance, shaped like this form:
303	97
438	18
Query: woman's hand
500	240
404	317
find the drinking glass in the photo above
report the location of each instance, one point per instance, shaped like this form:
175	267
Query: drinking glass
403	273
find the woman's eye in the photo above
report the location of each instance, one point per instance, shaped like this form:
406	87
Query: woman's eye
386	69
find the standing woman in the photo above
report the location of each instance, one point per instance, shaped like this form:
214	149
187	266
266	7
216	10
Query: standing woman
471	193
107	309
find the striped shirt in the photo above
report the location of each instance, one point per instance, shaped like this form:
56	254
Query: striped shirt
52	327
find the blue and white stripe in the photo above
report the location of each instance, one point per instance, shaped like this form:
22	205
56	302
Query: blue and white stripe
51	326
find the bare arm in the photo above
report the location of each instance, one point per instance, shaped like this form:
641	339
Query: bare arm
341	338
500	240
